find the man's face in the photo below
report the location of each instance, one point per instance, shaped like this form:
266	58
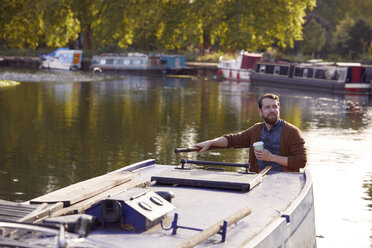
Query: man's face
269	111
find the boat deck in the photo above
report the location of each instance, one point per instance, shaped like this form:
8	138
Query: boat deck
274	208
201	208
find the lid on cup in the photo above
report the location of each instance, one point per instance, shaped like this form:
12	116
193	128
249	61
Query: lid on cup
258	143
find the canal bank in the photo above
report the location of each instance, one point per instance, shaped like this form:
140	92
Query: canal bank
27	62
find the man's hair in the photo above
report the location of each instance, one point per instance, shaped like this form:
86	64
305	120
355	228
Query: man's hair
268	95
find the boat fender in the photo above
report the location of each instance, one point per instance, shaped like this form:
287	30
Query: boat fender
167	195
97	70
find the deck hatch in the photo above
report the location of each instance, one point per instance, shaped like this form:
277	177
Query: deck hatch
210	179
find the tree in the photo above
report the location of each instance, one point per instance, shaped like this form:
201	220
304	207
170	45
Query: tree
314	38
360	38
263	23
157	24
114	25
87	13
58	23
19	24
352	38
342	37
33	23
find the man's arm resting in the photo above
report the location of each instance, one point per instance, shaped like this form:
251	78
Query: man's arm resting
220	142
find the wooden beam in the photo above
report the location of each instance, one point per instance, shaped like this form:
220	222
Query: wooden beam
80	207
42	212
85	189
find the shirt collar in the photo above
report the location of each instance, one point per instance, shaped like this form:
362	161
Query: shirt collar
278	125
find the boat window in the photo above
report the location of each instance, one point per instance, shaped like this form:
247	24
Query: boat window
298	72
320	74
284	70
310	73
270	69
305	72
126	62
177	63
110	61
276	70
262	69
120	61
136	61
342	72
102	62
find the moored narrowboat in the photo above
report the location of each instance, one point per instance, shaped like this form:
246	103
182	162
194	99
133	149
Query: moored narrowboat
330	77
136	63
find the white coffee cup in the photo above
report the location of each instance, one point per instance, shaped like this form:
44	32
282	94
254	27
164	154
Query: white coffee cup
259	145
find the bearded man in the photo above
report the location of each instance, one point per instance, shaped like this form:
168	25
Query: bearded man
284	147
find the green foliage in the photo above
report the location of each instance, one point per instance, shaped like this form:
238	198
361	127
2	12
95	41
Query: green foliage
256	25
58	22
314	38
342	36
20	25
337	17
190	26
360	38
333	10
154	25
353	38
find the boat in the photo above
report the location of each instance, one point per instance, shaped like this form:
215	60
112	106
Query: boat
136	63
63	59
319	76
240	68
176	64
153	205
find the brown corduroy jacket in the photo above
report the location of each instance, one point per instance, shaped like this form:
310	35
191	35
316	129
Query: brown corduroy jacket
292	145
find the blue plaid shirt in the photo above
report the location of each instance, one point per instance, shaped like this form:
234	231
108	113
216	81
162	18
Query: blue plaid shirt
271	141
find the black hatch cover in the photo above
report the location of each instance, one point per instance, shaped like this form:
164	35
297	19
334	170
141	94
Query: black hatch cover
210	179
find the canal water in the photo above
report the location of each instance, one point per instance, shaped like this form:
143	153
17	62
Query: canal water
60	128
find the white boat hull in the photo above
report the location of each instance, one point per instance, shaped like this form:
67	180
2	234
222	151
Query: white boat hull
358	87
63	60
235	74
239	69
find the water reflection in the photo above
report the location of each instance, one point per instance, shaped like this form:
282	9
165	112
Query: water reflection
53	134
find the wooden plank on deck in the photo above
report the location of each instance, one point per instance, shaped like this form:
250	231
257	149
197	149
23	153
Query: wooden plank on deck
80	207
80	191
42	212
13	211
